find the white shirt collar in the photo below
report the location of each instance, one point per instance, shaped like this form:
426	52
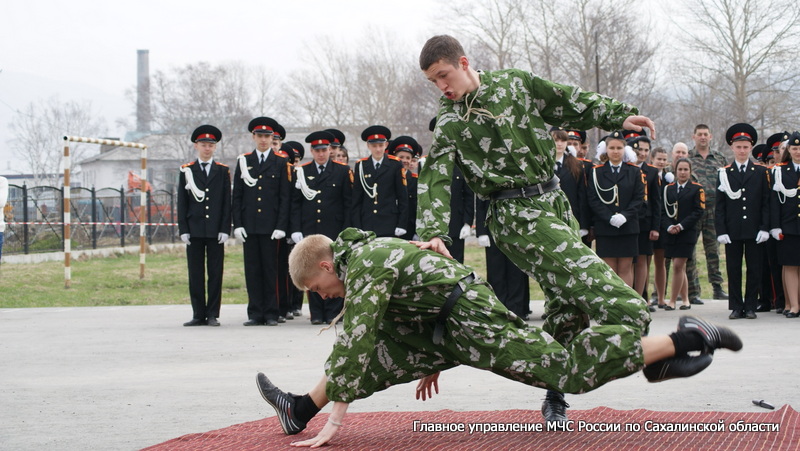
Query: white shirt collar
265	153
374	161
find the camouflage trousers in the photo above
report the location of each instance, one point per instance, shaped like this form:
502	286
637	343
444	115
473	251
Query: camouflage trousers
711	248
540	236
483	334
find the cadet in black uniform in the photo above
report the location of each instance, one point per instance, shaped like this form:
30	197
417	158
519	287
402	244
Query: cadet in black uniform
785	221
380	198
405	148
649	215
204	223
295	151
320	202
285	288
684	204
616	193
742	219
773	158
261	218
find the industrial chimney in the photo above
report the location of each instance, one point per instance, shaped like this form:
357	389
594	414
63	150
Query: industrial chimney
143	115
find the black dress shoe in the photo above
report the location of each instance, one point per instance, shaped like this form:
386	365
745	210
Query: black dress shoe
792	315
676	367
272	322
763	308
750	314
212	322
714	336
669	308
652	308
779	311
736	314
195	322
253	322
719	293
298	313
686	307
316	322
289	315
281	319
696	301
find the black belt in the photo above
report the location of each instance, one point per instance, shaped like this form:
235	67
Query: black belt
438	331
528	191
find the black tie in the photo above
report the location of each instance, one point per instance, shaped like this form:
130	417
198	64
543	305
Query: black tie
377	166
263	159
558	166
321	169
204	165
679	189
742	168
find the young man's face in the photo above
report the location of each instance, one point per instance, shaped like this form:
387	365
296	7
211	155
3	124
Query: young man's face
583	150
377	149
453	81
741	150
321	155
276	144
701	138
263	141
404	158
414	166
325	282
205	150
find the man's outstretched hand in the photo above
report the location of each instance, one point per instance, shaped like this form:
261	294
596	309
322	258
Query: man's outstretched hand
636	123
424	386
435	244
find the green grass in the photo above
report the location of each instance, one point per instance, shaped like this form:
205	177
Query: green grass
114	281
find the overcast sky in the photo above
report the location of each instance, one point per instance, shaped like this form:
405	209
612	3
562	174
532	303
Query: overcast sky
86	49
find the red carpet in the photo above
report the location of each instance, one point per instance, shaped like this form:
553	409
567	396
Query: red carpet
779	430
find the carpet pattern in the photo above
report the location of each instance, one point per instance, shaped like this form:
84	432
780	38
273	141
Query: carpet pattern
494	430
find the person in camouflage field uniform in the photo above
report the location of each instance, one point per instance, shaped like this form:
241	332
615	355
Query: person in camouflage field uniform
705	163
411	313
492	125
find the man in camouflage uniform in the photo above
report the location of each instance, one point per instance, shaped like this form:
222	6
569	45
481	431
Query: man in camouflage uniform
705	163
411	313
492	126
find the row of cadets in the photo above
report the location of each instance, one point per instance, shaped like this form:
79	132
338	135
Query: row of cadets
285	292
405	149
321	201
261	196
380	198
772	294
785	222
204	224
742	219
649	214
616	194
295	151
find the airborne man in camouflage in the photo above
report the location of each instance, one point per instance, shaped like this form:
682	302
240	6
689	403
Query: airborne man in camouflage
411	313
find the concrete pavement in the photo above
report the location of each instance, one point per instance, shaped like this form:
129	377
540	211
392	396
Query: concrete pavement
123	378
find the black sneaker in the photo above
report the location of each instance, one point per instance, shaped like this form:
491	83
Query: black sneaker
676	367
283	403
715	337
554	408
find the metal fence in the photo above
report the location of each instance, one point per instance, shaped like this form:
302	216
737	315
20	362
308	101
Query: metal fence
104	217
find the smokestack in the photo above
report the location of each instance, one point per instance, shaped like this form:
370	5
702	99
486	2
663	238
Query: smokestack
143	115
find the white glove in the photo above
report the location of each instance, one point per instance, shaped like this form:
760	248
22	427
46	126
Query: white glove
669	177
583	232
185	238
297	237
399	232
724	239
465	232
617	220
762	236
776	233
240	234
222	237
278	234
483	241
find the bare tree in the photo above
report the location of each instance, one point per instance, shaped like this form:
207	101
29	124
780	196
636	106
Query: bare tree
742	52
38	133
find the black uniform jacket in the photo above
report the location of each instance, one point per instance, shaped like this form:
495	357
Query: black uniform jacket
630	190
389	208
262	208
328	212
743	218
212	216
687	207
785	211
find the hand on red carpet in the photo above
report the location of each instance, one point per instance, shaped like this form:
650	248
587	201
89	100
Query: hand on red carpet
424	386
324	436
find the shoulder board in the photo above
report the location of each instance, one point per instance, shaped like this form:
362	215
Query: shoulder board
339	162
221	164
281	153
423	156
782	164
188	164
248	153
306	164
648	164
364	159
598	166
584	159
414	175
392	157
671	184
632	164
728	166
698	184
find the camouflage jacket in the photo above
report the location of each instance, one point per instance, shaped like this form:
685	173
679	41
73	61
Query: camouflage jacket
498	137
704	172
387	280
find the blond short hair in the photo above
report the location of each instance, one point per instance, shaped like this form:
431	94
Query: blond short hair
305	258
